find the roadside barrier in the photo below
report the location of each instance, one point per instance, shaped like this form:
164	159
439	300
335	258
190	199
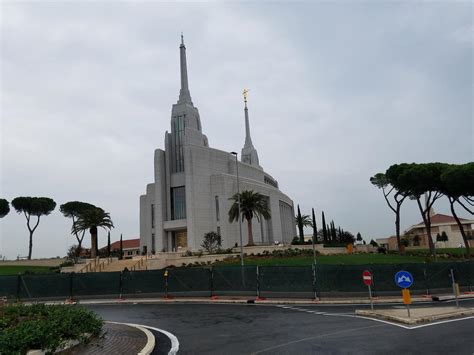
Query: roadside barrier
316	281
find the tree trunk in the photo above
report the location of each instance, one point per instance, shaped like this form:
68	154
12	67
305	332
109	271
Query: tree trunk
30	249
397	229
93	232
300	229
427	222
78	249
461	228
249	228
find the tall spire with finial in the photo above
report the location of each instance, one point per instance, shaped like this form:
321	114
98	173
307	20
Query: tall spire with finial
184	94
249	153
248	139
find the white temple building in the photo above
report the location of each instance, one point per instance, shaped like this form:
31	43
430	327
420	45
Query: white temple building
193	184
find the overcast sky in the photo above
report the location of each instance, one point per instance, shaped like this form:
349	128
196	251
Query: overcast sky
338	92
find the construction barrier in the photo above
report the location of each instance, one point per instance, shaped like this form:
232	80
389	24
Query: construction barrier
316	281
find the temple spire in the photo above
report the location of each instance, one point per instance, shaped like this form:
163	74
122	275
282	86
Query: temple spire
184	95
248	138
249	153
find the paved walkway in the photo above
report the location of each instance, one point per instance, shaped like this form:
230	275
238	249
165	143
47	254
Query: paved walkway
118	339
417	315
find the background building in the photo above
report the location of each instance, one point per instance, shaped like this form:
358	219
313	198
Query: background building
440	223
417	236
193	184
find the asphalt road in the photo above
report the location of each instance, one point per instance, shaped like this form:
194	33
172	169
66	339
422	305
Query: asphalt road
273	329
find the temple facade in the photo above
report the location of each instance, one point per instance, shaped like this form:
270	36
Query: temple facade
193	183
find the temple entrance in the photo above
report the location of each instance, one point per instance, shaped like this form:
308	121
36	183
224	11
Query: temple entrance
179	240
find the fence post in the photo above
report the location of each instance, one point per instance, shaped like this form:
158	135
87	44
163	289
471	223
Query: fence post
470	275
18	287
373	292
211	281
71	296
166	282
315	291
425	274
258	282
121	285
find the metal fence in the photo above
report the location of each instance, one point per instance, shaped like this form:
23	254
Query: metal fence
260	281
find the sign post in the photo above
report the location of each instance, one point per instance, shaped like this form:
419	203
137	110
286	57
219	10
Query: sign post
367	278
404	280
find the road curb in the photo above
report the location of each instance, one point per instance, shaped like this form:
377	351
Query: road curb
150	344
415	320
246	301
251	300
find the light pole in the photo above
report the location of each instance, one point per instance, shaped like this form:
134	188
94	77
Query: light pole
238	203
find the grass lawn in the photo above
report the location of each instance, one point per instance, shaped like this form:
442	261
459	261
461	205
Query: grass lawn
349	259
452	251
21	269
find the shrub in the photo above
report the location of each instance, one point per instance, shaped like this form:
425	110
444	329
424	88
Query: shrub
296	241
67	263
224	251
45	327
211	242
190	253
335	245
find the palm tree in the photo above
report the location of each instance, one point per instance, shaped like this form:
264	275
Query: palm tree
91	219
252	204
302	221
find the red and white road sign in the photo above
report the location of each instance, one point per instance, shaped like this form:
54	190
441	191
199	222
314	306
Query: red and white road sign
367	277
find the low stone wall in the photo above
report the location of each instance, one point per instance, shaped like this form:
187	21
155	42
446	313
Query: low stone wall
161	261
259	249
34	262
367	248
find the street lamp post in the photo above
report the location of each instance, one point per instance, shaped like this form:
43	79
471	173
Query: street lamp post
238	203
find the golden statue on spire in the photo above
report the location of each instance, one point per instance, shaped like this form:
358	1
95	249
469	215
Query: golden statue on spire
245	93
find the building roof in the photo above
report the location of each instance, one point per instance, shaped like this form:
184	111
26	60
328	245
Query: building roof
126	244
443	219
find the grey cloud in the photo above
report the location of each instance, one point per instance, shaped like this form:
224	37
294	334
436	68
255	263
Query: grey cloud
338	92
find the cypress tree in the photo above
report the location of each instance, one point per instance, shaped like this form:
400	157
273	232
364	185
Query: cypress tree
315	229
108	244
333	232
121	248
325	231
300	226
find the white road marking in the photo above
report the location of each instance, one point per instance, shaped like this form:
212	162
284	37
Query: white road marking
311	338
174	341
349	315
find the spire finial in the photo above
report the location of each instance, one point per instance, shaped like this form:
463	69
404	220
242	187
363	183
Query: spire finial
249	153
245	93
184	95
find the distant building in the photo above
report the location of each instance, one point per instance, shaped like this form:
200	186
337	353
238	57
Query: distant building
418	237
131	247
193	183
440	223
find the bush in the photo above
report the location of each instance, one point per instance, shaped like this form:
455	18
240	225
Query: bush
190	253
212	241
45	327
296	241
381	250
224	251
67	263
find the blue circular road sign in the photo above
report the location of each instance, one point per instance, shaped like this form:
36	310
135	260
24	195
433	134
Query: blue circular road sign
403	279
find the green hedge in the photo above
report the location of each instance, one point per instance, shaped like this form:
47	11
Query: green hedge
44	327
